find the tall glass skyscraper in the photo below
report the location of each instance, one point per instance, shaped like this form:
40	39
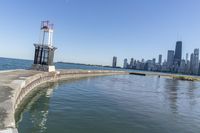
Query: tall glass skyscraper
178	53
195	61
160	59
114	63
170	58
125	63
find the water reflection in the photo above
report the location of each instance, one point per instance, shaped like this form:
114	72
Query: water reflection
171	89
191	92
191	88
37	112
177	91
157	84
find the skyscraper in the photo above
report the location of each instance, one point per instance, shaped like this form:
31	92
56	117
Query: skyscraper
178	53
182	68
114	63
160	59
191	63
142	60
125	63
131	63
170	58
154	61
196	61
186	57
187	64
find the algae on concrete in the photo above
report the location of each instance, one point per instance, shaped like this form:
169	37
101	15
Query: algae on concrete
188	78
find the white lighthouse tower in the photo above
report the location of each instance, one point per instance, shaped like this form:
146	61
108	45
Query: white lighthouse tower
44	50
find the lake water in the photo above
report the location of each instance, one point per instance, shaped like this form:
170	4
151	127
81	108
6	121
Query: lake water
114	104
8	63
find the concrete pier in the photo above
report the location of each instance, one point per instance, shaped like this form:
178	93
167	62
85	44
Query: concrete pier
16	84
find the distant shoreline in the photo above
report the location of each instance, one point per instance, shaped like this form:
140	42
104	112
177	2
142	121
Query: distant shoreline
88	64
150	73
167	75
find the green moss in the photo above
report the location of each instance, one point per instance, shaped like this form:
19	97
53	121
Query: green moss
188	78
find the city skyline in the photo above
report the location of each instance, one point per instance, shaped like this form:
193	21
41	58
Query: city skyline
175	62
175	53
92	32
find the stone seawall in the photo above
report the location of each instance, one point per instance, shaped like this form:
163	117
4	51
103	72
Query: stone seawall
15	85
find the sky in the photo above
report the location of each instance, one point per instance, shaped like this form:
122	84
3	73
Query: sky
93	31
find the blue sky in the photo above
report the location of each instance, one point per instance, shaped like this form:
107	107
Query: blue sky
93	31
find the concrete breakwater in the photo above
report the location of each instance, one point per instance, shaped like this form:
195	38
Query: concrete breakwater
16	84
